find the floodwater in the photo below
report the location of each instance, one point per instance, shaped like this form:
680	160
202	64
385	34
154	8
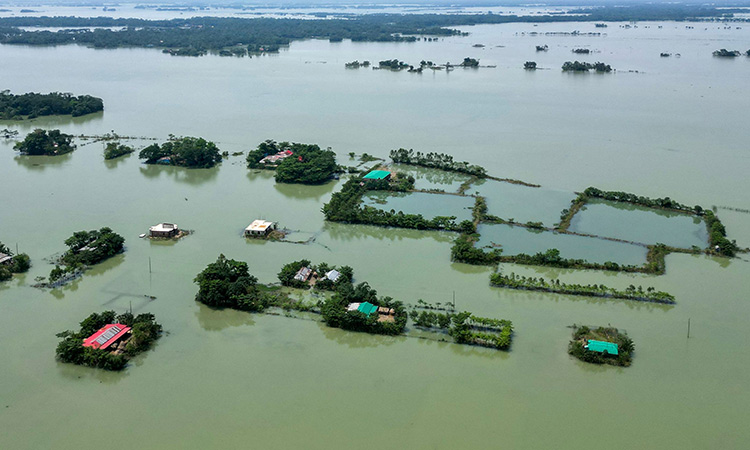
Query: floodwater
427	204
227	379
523	203
514	240
638	224
432	179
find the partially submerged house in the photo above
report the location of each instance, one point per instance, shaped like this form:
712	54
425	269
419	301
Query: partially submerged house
602	347
276	158
303	274
377	175
259	228
164	230
333	275
108	337
5	259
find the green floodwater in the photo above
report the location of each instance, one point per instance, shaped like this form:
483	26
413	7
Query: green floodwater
428	205
639	224
426	178
226	379
523	203
514	240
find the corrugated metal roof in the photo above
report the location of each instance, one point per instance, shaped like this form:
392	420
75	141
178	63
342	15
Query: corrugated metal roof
367	308
603	347
377	175
106	336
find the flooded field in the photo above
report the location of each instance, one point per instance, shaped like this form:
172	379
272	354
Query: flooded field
523	203
514	240
427	179
428	205
638	224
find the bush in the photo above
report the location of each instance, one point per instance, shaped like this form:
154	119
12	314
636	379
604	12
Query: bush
185	151
43	142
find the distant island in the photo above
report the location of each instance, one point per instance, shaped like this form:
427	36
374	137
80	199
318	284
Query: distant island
107	341
199	35
294	162
43	142
529	65
32	105
585	67
115	150
601	346
187	151
724	53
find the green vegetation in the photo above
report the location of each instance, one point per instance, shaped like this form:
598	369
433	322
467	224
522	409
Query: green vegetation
43	142
32	105
590	290
529	65
227	283
356	64
19	263
470	62
581	51
184	151
115	150
465	251
717	235
585	67
304	164
201	34
393	64
345	206
286	276
567	214
727	53
145	330
86	248
466	328
581	335
440	161
335	314
542	48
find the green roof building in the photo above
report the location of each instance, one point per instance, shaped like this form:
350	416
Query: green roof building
603	347
367	308
378	175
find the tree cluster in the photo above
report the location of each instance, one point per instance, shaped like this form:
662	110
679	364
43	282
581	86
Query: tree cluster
184	151
591	290
335	314
576	66
144	331
227	283
43	142
115	150
466	328
529	65
724	53
32	105
308	163
440	161
86	248
625	346
19	263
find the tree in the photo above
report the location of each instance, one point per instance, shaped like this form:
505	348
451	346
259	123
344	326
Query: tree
227	283
43	142
184	151
529	65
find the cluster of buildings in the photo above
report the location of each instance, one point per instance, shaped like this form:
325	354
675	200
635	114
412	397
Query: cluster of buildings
306	274
367	308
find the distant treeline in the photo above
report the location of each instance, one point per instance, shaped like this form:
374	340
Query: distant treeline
32	105
212	33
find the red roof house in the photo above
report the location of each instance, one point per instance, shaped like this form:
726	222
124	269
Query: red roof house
106	336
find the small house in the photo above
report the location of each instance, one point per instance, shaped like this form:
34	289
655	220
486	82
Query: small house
277	157
107	336
333	275
367	308
353	306
5	259
259	228
377	175
602	347
164	230
303	274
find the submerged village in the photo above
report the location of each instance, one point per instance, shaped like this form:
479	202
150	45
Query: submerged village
412	190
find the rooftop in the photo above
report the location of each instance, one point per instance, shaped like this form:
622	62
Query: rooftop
377	175
602	347
367	308
106	336
4	258
259	225
164	227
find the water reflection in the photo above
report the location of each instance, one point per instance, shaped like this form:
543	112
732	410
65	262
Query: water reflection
39	163
347	232
445	342
354	339
26	126
211	319
180	174
305	192
113	163
76	372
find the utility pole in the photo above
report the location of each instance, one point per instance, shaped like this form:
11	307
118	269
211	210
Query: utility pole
149	264
688	328
454	301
